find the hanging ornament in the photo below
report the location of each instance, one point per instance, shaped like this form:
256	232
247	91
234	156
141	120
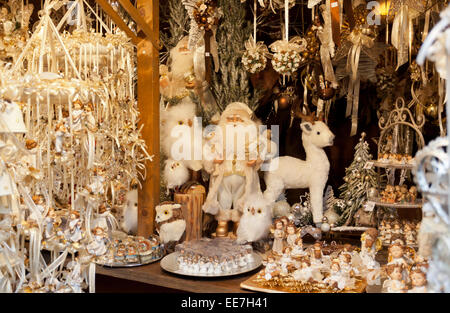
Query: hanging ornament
204	16
361	36
254	58
373	192
431	111
325	227
286	58
326	92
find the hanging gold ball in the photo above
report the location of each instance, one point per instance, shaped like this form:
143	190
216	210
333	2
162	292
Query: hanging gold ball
283	102
431	111
367	178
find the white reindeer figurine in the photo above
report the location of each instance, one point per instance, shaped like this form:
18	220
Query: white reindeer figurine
291	173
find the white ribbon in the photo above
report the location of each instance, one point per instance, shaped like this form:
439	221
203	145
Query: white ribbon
401	35
92	277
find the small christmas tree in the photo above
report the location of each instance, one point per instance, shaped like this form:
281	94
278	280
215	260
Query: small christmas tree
357	182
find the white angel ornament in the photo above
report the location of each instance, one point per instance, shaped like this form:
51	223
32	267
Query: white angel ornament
60	134
306	273
97	246
337	278
77	114
96	187
271	268
394	283
73	231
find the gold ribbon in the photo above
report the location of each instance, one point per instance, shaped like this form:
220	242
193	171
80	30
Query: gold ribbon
359	40
256	47
401	35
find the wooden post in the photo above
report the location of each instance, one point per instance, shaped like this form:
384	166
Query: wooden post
192	201
148	104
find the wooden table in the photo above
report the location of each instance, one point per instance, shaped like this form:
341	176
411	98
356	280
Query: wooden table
153	274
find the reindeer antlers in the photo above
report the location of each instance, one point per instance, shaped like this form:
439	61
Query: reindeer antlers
309	117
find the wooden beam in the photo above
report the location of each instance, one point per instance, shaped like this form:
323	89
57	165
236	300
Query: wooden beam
148	103
140	22
118	20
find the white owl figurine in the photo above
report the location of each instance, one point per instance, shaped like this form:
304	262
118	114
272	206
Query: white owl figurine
177	133
130	214
175	173
255	221
169	221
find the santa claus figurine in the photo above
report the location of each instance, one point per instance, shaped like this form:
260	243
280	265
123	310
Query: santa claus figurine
233	165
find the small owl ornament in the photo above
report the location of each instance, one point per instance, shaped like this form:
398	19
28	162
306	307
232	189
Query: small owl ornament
175	174
170	223
255	221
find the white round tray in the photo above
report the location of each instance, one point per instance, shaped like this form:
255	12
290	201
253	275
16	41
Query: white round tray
169	263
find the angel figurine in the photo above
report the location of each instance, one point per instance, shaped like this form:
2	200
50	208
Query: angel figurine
369	245
271	269
96	186
397	257
279	235
51	220
105	219
97	246
60	134
286	260
77	113
291	236
73	231
306	273
89	118
394	283
316	260
418	281
410	235
336	279
297	250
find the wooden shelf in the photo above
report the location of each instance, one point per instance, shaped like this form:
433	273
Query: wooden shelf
393	165
416	205
153	274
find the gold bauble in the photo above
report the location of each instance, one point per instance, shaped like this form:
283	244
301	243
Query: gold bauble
431	111
283	102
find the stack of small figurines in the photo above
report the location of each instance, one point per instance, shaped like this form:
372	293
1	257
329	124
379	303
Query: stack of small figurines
404	273
318	268
216	256
128	250
310	270
396	159
399	194
391	228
